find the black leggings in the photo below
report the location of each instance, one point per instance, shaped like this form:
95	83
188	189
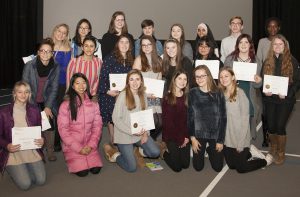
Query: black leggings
154	133
277	116
216	158
83	173
177	158
239	160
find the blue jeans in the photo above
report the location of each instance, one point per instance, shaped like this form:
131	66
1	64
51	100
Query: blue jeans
24	175
127	161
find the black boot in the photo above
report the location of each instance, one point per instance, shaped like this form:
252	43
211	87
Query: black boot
265	132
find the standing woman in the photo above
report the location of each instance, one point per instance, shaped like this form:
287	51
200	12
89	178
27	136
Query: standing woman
42	74
237	149
117	27
175	130
25	167
132	99
119	61
174	60
206	120
62	55
280	62
84	29
86	63
149	63
80	126
244	52
177	32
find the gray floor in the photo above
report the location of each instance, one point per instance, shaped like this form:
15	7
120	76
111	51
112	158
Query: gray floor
275	181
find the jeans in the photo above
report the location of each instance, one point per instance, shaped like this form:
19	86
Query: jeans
24	175
127	161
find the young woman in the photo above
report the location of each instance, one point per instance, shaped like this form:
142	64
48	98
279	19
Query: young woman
80	124
206	120
87	64
132	99
244	52
62	55
117	27
177	32
280	62
204	30
148	30
175	131
119	61
42	74
174	60
237	148
149	63
26	167
84	29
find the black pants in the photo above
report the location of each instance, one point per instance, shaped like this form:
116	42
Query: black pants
177	158
154	133
216	158
277	116
83	173
239	160
60	97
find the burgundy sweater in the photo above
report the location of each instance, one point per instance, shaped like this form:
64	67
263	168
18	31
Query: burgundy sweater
174	118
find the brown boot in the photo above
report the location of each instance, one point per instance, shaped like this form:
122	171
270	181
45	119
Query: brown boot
139	158
49	143
163	148
281	149
111	153
273	145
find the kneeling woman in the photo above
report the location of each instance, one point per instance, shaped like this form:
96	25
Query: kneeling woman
132	99
237	150
79	125
26	167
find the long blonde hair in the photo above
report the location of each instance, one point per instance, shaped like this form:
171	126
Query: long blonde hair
232	94
65	42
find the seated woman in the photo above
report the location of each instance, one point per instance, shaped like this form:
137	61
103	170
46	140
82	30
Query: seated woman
79	126
132	99
237	149
26	167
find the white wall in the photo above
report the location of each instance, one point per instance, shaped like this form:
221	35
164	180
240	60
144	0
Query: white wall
164	13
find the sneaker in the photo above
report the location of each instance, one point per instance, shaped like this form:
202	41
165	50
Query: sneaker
256	153
111	153
269	158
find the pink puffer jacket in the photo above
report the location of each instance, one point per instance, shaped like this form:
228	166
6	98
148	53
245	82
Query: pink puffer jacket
75	135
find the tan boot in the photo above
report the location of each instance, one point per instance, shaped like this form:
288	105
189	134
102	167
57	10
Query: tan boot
139	158
49	143
281	149
163	148
111	153
273	145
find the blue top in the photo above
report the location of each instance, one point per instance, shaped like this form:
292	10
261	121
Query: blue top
62	58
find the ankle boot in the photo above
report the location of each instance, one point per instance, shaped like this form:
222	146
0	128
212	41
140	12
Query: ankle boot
273	145
110	153
281	149
49	142
139	158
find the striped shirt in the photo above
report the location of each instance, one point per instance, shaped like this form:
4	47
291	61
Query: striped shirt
90	68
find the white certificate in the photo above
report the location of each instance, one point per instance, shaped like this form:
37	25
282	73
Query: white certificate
45	121
276	84
244	71
25	136
117	81
141	120
213	66
154	86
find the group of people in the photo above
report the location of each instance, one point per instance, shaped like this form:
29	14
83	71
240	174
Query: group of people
69	81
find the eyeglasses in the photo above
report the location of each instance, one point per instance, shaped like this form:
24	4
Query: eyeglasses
43	51
146	45
84	28
201	76
233	23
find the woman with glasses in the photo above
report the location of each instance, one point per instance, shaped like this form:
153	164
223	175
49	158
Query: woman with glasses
206	120
42	74
83	29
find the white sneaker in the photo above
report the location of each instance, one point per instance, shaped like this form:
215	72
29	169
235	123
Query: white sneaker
256	153
269	158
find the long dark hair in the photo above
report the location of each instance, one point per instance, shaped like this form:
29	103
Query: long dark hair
128	61
236	51
77	38
74	97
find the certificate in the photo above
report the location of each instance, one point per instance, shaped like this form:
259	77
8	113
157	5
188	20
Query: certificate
276	84
154	86
213	66
25	136
45	121
244	71
141	120
117	81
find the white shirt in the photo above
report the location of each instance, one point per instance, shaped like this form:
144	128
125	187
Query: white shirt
227	46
